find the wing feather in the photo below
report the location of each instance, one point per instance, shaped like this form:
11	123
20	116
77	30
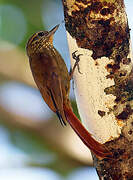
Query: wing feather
46	74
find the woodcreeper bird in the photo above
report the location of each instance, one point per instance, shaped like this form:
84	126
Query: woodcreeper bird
53	80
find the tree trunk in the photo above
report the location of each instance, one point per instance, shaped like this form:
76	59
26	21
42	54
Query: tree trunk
98	29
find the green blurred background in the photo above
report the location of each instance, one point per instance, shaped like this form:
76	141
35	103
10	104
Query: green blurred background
33	144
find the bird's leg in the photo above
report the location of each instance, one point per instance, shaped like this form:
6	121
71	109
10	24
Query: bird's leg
77	59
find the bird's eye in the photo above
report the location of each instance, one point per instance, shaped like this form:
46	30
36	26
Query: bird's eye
41	33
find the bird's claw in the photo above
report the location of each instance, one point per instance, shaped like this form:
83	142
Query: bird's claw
77	59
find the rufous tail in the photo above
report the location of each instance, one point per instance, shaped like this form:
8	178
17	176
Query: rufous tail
98	149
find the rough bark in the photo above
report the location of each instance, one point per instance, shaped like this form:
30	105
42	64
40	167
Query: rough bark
98	29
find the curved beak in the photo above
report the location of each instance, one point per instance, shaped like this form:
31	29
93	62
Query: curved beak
52	31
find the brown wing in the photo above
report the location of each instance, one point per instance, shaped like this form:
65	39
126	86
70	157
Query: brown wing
47	77
55	91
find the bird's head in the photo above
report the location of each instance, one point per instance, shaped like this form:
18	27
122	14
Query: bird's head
39	40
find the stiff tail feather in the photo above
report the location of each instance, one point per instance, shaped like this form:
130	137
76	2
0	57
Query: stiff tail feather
98	149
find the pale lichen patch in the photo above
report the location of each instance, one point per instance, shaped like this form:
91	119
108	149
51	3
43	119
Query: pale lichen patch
90	93
69	5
